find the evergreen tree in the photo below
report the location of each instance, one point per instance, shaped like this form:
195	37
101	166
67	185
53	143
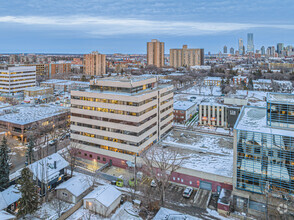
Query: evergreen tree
4	164
223	86
250	84
29	200
30	152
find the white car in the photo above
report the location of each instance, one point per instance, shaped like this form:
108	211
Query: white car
153	183
188	192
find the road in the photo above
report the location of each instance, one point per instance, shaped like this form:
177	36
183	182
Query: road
18	156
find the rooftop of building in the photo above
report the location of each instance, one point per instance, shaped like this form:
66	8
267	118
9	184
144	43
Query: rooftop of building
183	105
254	119
204	152
26	113
36	88
16	68
281	98
213	78
128	79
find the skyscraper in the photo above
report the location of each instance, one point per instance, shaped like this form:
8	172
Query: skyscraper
250	44
94	64
232	50
155	53
240	46
262	50
280	47
186	57
225	49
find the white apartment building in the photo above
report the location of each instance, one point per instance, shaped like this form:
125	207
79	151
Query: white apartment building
16	79
120	117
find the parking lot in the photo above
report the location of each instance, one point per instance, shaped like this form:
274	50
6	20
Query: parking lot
174	193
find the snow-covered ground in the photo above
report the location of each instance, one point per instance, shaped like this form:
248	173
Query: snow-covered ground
205	90
204	152
126	211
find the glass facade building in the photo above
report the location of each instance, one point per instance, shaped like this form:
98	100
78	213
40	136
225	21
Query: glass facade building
265	146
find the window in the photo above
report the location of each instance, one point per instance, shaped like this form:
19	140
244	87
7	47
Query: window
257	150
80	152
98	157
190	182
270	153
86	155
182	180
64	194
104	159
174	178
91	156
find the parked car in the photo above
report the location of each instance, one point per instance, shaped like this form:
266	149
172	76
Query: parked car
188	192
52	142
153	183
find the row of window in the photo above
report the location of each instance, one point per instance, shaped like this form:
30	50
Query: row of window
114	130
136	144
112	101
102	147
120	112
122	89
114	120
166	93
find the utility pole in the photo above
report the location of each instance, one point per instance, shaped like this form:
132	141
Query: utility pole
135	176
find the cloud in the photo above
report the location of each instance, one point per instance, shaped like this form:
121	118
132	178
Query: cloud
105	26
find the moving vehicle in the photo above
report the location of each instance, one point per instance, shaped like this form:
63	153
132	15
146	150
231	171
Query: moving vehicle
188	192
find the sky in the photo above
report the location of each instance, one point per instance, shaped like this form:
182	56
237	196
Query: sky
124	26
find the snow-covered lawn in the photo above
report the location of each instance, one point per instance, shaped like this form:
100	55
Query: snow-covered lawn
204	152
126	211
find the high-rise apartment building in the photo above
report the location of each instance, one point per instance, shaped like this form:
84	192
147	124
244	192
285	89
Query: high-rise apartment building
95	64
241	46
55	68
17	78
280	48
264	154
232	51
155	53
262	50
250	43
186	57
120	117
225	49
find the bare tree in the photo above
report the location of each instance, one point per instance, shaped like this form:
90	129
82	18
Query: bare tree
211	86
59	206
160	164
71	156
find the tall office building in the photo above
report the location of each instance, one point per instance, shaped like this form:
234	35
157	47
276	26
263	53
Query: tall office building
225	49
262	50
95	64
280	48
155	53
273	51
232	51
264	154
120	117
186	57
250	43
241	46
16	79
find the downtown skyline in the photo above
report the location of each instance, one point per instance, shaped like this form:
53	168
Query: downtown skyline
124	27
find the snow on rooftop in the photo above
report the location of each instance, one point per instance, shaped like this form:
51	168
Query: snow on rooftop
9	196
165	213
254	119
105	194
280	98
183	105
44	169
213	78
76	185
6	216
25	114
204	152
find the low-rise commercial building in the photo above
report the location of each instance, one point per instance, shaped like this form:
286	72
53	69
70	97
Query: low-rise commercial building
17	120
264	156
212	81
184	111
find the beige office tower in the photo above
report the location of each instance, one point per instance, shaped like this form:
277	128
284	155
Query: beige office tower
155	53
95	64
120	117
186	57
